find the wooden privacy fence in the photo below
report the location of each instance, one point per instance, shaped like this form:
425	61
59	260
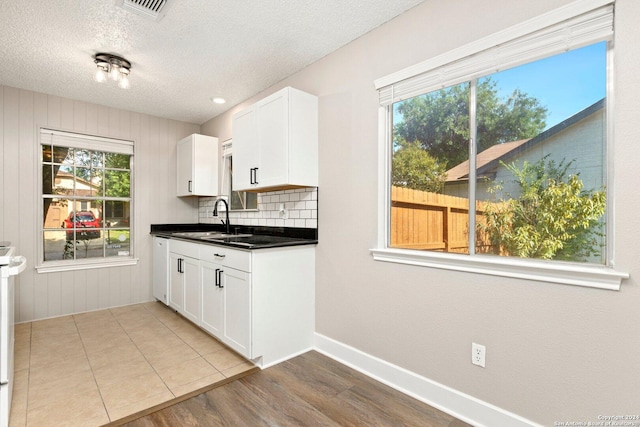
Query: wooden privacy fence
432	221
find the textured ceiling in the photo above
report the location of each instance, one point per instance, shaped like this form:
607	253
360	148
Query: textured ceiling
199	49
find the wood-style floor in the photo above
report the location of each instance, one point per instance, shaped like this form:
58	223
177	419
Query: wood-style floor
309	390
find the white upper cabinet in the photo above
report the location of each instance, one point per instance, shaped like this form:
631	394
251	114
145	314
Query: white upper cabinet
197	167
275	143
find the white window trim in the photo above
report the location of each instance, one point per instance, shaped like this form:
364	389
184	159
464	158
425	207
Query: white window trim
79	140
601	277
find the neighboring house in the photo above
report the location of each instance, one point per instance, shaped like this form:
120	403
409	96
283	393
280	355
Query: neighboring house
63	185
580	139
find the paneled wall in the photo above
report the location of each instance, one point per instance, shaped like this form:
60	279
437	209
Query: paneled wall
43	295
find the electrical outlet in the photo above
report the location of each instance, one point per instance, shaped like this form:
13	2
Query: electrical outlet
478	354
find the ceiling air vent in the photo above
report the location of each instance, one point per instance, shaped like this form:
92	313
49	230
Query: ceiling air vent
153	9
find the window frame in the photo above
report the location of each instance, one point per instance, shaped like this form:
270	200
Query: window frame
90	142
568	273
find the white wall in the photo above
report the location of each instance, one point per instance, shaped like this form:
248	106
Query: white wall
554	352
55	294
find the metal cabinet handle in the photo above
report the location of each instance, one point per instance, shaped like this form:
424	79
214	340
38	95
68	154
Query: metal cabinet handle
217	282
219	277
180	270
253	175
219	255
190	190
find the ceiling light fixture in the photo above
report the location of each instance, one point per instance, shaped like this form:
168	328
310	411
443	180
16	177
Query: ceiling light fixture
117	68
218	100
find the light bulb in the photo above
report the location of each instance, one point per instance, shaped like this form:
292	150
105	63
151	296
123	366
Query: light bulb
114	73
100	75
124	82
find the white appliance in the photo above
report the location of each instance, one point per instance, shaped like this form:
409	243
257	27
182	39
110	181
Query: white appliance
10	266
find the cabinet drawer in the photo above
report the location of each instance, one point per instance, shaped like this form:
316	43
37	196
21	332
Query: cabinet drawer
185	248
240	260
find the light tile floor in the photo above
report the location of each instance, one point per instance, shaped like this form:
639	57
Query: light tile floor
94	368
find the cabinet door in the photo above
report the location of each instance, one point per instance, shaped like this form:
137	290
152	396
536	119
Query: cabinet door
273	139
212	298
160	269
237	310
185	167
245	150
191	276
176	281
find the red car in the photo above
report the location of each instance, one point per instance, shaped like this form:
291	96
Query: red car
82	220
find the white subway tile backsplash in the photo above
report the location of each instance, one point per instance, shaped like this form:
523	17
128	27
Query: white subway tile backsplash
301	205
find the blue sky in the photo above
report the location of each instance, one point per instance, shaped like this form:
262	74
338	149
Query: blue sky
564	83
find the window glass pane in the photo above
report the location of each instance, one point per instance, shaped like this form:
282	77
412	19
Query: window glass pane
83	158
55	212
541	158
63	155
96	182
83	221
83	186
47	155
117	161
97	159
86	248
63	180
430	137
47	179
116	214
118	242
117	183
56	247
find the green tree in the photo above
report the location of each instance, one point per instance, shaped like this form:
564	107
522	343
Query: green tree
413	167
117	176
439	121
553	217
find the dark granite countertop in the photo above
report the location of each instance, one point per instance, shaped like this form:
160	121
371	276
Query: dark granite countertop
241	237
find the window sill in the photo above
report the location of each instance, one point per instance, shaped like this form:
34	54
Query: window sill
56	266
546	271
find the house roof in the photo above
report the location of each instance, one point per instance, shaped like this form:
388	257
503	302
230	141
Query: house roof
490	158
461	171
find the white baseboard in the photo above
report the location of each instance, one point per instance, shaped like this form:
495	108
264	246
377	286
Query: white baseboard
457	404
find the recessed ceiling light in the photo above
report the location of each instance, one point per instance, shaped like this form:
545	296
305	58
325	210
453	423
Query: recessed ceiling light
218	100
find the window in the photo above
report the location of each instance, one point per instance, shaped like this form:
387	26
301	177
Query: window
86	189
496	155
240	200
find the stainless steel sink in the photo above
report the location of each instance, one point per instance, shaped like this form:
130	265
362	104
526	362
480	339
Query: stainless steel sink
197	234
206	235
221	236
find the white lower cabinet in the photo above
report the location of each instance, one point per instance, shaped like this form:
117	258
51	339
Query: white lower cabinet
226	296
260	303
237	310
212	298
226	305
184	279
